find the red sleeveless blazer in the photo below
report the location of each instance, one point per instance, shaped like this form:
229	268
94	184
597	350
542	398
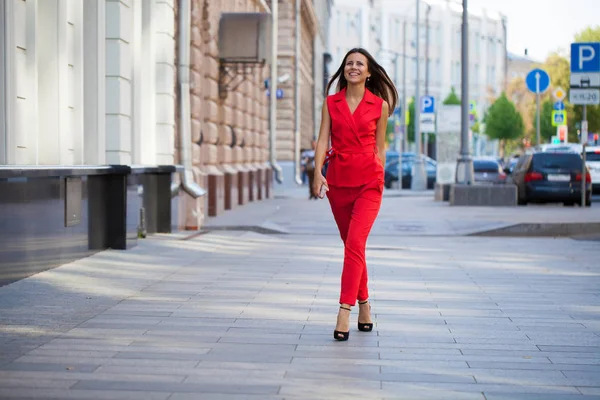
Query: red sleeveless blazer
353	159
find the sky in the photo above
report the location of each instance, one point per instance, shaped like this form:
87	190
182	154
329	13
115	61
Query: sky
543	26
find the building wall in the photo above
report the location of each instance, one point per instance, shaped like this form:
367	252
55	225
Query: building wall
286	67
229	134
116	108
310	62
378	26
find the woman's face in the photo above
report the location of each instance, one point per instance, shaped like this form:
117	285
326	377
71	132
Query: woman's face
356	69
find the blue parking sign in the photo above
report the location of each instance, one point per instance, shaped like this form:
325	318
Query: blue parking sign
427	105
585	57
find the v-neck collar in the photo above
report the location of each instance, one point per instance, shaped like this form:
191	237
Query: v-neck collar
359	103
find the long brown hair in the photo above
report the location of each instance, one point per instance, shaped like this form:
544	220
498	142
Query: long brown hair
379	83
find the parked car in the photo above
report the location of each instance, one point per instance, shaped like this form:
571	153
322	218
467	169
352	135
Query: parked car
391	172
488	171
551	177
592	160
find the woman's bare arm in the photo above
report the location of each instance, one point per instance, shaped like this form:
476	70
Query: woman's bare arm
381	129
323	140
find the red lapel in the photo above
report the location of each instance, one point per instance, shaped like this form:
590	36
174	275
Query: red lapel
342	106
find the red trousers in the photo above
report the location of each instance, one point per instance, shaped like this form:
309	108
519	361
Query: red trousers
355	210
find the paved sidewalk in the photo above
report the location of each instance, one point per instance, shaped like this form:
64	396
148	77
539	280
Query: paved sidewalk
241	315
402	214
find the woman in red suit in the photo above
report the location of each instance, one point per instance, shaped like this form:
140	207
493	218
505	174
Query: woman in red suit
355	119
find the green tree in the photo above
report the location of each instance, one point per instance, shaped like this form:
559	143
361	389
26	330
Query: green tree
503	121
546	128
452	98
589	34
559	69
411	122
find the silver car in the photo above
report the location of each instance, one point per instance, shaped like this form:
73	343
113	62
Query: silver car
488	171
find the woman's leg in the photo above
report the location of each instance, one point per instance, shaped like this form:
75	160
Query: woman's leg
342	202
354	275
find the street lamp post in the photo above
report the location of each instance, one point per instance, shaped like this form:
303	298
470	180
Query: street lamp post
419	180
464	168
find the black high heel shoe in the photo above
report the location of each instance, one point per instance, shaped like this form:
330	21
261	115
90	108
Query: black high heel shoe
339	335
362	326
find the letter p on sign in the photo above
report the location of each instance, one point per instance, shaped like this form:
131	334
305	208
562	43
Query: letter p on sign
586	53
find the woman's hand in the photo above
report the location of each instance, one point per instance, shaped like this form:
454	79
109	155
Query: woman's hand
319	184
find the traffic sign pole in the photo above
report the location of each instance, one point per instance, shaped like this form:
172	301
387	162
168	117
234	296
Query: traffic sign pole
537	91
537	82
583	142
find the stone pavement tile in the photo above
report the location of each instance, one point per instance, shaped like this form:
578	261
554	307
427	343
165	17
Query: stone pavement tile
336	375
44	352
357	340
386	365
177	387
230	372
211	322
533	366
35	362
49	364
570	349
314	388
532	352
399	340
140	313
520	377
133	320
453	312
226	396
590	391
581	378
466	358
494	388
66	341
162	342
537	396
127	373
23	382
68	394
146	355
261	339
574	360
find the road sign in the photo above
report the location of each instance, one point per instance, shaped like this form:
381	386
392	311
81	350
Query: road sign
584	96
427	105
563	136
585	57
559	94
585	73
559	106
537	80
559	118
427	122
472	107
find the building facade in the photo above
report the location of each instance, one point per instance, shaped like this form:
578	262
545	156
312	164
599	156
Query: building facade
379	26
122	117
519	66
303	33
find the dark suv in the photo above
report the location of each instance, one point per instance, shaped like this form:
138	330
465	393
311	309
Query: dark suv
551	177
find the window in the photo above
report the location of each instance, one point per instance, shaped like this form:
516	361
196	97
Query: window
477	43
